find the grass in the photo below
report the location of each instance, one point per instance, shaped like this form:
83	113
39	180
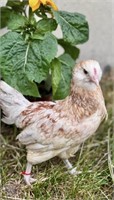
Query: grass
95	159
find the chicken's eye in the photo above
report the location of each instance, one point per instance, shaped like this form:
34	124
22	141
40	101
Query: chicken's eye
85	72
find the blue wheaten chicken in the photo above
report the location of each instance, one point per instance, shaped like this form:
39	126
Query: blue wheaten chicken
57	128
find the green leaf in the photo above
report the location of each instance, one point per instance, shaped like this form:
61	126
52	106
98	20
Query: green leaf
16	6
14	3
5	14
32	59
19	81
41	52
45	25
38	36
56	74
74	26
67	64
69	49
16	21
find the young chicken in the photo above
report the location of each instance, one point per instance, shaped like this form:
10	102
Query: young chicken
57	128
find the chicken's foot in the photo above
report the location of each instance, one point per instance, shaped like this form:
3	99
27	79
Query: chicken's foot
27	174
70	168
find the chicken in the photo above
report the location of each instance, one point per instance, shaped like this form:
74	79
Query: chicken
58	128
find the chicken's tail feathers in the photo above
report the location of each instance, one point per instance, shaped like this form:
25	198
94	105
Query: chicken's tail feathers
12	103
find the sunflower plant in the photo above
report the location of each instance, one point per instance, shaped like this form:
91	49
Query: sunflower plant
28	52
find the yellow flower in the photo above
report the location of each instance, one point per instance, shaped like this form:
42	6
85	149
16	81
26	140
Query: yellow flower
35	4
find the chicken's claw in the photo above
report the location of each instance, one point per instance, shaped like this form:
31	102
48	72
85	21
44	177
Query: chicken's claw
73	171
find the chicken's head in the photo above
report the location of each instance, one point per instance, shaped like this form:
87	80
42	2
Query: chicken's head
87	74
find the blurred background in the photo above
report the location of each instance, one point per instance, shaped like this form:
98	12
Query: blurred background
100	16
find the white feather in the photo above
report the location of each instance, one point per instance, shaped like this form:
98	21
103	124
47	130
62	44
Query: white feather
12	103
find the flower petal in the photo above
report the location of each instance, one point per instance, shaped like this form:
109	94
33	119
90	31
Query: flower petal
34	4
52	4
43	2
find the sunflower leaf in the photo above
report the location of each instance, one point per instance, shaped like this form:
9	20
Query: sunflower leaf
24	62
63	88
73	25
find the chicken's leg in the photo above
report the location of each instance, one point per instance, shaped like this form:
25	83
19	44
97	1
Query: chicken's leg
27	174
69	166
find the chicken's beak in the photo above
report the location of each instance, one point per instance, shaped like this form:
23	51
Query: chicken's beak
95	80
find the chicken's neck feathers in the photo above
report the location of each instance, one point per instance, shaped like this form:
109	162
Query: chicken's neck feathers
82	103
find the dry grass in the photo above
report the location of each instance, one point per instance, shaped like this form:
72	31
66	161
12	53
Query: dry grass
95	158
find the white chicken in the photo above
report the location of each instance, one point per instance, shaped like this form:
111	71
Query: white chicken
57	128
